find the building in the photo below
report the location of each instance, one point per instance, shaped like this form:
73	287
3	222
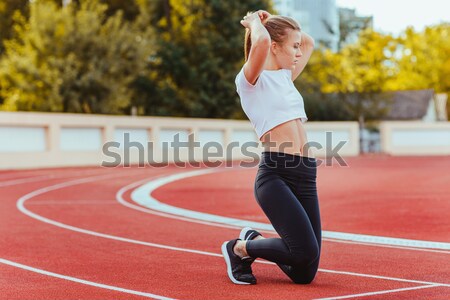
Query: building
416	105
350	25
420	105
319	18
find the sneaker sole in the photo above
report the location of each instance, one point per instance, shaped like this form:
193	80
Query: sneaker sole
227	260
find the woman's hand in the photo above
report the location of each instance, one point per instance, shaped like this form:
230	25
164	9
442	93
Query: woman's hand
259	16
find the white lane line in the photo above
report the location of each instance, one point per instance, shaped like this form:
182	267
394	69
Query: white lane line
73	202
387	278
27	173
23	209
380	292
387	246
121	200
18	173
44	177
21	201
142	195
82	281
25	180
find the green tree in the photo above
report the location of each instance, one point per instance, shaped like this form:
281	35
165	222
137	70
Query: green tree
320	106
130	9
73	59
357	74
421	60
7	10
347	85
349	25
377	63
199	54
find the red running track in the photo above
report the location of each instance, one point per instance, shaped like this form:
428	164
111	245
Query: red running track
97	248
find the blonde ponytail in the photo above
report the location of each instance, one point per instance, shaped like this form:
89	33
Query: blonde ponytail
277	27
247	43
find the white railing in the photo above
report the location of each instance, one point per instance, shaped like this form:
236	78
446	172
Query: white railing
415	138
31	140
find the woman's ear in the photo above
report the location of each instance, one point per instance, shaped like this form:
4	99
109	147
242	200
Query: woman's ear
274	48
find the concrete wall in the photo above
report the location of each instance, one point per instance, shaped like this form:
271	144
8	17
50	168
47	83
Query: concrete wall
415	138
33	140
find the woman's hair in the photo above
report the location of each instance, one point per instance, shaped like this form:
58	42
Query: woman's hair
277	26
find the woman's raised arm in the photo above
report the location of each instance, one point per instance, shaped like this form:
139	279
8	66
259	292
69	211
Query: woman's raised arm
257	44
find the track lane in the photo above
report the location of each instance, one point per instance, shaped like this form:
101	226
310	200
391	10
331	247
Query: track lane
381	196
33	285
144	222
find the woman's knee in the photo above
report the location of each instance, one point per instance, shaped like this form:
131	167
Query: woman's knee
301	274
307	255
305	279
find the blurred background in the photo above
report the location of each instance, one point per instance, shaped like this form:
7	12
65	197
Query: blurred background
373	62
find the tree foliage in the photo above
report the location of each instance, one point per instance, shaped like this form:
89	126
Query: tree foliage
72	59
200	51
422	59
180	58
7	10
356	77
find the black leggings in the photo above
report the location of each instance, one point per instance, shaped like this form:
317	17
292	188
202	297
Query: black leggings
285	188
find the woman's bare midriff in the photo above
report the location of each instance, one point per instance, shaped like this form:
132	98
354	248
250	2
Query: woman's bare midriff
289	137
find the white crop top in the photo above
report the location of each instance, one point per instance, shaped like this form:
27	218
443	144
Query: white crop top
273	100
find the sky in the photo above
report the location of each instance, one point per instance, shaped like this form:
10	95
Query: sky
393	16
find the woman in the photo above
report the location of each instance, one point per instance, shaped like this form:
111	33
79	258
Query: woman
276	52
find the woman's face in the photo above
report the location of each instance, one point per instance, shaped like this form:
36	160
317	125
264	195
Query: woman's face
288	54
